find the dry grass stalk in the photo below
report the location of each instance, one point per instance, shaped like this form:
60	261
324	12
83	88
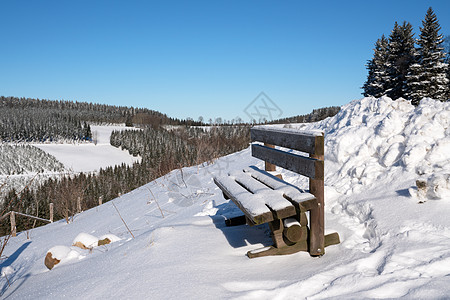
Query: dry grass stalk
156	201
123	220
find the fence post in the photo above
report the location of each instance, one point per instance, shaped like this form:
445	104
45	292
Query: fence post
100	200
51	212
13	223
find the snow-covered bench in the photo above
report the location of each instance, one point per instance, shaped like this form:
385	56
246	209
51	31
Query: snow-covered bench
265	198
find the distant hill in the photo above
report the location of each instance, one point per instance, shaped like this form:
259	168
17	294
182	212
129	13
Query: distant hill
315	116
25	119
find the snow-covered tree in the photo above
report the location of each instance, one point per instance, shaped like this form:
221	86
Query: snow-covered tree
447	60
428	76
378	74
401	56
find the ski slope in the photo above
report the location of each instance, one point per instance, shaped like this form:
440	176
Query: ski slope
395	238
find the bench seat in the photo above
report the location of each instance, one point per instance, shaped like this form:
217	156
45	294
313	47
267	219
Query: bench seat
263	197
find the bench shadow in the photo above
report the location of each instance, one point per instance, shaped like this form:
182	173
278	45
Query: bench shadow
404	193
241	235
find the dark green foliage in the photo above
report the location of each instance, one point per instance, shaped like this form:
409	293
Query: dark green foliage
377	79
34	120
316	115
401	56
408	72
428	76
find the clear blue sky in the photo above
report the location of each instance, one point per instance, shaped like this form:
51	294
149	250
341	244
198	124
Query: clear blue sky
197	58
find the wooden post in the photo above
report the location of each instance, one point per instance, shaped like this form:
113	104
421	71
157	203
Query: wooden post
100	200
51	212
269	167
13	223
317	220
78	204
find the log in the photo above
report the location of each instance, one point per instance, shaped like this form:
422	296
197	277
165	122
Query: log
292	230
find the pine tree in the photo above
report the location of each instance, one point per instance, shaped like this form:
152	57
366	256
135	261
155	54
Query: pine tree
401	56
428	76
378	76
447	61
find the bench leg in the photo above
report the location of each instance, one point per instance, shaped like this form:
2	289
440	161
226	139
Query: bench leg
236	221
282	245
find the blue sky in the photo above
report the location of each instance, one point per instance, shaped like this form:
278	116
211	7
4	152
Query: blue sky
197	58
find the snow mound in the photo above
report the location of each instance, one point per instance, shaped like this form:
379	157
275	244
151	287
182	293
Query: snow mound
85	241
371	139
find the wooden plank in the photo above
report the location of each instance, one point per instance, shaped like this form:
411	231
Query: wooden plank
289	138
281	207
302	200
255	210
306	166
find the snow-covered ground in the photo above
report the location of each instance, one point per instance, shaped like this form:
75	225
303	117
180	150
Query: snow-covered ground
88	157
395	239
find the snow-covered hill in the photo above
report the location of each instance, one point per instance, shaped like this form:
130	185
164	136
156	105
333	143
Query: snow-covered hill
395	239
89	157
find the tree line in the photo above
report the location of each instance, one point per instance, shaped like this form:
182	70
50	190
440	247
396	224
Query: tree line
315	116
404	67
34	120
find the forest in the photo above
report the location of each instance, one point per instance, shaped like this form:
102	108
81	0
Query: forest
409	68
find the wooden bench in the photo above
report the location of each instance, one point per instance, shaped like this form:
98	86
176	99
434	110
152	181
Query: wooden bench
265	198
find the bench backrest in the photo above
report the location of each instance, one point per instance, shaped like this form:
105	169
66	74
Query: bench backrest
309	142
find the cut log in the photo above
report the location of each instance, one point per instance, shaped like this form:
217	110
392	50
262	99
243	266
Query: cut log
292	230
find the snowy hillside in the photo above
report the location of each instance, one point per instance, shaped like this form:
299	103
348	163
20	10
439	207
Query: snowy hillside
88	157
395	239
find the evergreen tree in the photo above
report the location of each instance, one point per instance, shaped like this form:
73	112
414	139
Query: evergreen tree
378	76
401	56
447	60
428	76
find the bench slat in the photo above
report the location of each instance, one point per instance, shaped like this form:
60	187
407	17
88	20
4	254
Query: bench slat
309	167
281	207
305	201
255	210
305	141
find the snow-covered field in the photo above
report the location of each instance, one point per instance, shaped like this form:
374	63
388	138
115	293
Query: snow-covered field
395	239
88	157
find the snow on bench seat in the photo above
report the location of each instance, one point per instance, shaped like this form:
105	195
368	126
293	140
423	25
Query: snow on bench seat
253	208
304	201
280	206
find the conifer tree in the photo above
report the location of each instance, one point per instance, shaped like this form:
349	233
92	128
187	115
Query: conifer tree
376	80
447	61
428	76
401	56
